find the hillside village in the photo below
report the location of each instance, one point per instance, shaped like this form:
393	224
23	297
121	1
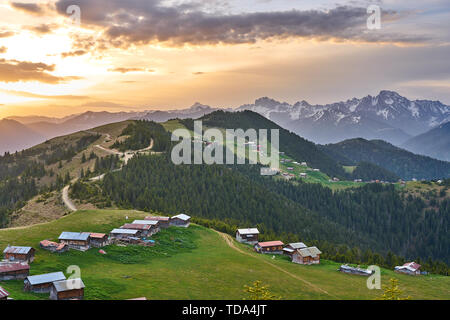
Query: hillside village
17	263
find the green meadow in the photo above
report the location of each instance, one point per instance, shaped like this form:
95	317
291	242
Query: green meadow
192	263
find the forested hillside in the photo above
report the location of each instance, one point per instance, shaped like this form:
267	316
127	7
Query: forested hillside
290	143
374	217
405	164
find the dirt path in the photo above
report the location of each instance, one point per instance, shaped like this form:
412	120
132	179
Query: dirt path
231	244
65	197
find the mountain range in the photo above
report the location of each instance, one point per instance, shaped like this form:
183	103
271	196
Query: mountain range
387	116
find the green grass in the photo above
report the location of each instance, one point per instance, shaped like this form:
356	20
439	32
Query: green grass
192	263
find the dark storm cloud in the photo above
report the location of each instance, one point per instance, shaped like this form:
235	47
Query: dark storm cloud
141	22
15	71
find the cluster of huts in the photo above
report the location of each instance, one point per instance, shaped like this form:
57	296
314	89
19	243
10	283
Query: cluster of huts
298	252
409	268
16	266
16	260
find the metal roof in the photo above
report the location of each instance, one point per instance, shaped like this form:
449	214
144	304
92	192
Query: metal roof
67	285
298	245
414	266
135	226
46	278
248	231
157	218
309	252
81	236
97	235
10	267
150	222
182	216
3	293
124	231
270	243
17	250
288	250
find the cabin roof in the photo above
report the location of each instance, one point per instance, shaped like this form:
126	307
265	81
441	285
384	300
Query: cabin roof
3	293
157	218
9	267
97	235
46	278
17	250
124	231
248	231
309	252
270	243
298	245
67	285
414	266
182	216
81	236
148	222
136	226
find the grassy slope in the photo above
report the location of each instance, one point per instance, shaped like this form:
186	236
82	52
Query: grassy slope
193	263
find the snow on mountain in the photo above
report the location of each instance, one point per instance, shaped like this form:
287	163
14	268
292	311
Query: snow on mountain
387	116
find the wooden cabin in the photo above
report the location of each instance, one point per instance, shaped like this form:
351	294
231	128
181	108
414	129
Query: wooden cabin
164	222
154	225
124	234
14	270
309	255
3	294
98	240
356	271
292	247
180	220
43	282
76	240
410	268
145	229
72	289
249	235
54	246
269	247
14	253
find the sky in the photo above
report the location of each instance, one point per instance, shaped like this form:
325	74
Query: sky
128	55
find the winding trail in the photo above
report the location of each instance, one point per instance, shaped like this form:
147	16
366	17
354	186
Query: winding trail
65	197
230	242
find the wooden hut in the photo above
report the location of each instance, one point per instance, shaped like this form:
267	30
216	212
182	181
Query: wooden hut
163	222
124	234
14	253
249	235
72	289
145	229
14	270
292	247
43	282
180	220
3	294
269	247
154	225
76	240
98	240
309	255
410	268
54	246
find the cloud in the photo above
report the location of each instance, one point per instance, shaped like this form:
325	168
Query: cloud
75	53
42	96
42	28
140	22
31	8
15	71
3	49
199	73
6	34
126	70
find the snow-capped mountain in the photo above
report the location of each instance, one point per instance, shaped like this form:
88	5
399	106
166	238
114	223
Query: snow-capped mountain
387	116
